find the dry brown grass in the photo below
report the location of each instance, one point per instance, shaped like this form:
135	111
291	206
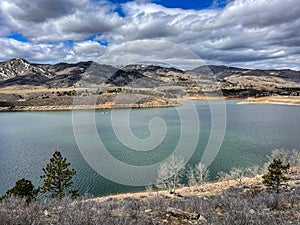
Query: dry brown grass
206	189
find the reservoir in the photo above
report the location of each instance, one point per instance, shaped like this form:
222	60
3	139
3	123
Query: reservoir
28	140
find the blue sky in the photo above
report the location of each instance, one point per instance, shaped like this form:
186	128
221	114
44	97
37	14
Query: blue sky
188	4
183	4
246	33
17	36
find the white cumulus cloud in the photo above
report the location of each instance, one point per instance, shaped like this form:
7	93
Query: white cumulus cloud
246	33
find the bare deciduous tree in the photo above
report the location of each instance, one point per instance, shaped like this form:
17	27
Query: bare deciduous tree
170	174
202	173
197	175
191	175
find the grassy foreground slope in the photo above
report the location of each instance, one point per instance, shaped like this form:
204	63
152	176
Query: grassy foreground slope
226	202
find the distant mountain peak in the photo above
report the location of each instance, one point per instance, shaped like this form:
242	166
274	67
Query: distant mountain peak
14	67
18	59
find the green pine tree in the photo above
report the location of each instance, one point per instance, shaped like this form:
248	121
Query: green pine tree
23	189
275	177
57	178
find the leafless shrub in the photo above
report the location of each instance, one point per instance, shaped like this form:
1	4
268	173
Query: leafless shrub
281	154
294	158
235	173
223	176
238	173
252	171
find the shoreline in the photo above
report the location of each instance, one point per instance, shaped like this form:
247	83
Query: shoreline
81	107
174	102
207	98
211	187
273	100
111	105
206	189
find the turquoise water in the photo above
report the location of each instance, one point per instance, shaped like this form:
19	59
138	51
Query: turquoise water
28	139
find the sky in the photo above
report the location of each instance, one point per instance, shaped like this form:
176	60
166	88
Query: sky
259	34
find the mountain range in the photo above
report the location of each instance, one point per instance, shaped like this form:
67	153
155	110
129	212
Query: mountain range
21	74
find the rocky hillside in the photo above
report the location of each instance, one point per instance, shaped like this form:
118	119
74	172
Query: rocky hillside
211	80
20	67
224	71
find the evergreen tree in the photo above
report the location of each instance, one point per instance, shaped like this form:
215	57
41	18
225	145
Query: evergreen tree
275	178
57	178
23	189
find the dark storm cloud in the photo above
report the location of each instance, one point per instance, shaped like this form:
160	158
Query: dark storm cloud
56	20
41	10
